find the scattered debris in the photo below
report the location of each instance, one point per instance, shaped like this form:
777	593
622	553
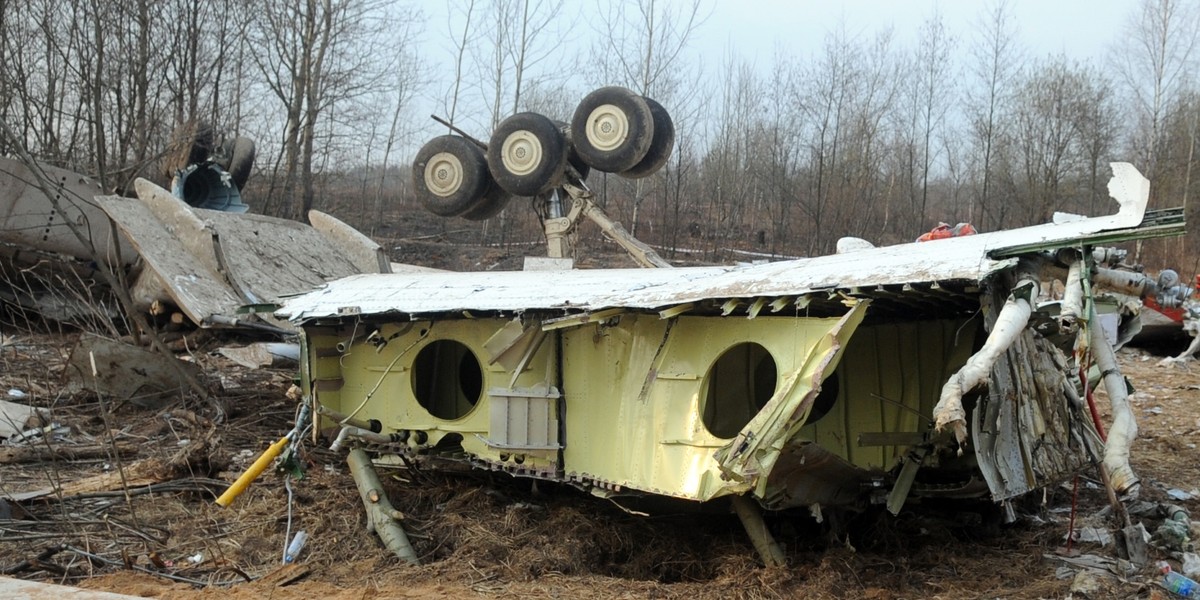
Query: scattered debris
1091	583
15	418
1178	494
146	378
1174	533
1095	535
276	355
52	452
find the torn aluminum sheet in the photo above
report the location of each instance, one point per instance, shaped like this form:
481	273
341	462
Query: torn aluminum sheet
969	258
31	219
801	383
211	263
124	372
262	354
15	418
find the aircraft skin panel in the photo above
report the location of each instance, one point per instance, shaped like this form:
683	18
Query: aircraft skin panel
696	383
636	392
960	258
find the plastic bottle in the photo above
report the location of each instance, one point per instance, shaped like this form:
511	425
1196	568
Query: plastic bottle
294	548
1178	584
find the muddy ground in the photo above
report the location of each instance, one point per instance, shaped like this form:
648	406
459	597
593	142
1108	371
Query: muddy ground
490	535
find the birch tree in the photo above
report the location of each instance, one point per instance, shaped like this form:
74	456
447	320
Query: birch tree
995	63
1155	59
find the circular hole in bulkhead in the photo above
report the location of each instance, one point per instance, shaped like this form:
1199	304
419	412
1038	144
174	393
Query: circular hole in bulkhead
738	384
447	379
825	399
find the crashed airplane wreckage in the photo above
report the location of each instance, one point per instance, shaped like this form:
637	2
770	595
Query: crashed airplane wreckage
198	252
880	375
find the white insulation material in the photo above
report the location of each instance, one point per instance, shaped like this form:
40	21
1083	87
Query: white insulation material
1124	426
1009	324
1072	303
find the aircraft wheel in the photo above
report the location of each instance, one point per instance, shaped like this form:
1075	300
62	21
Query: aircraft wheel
450	175
612	129
526	154
660	145
493	201
241	160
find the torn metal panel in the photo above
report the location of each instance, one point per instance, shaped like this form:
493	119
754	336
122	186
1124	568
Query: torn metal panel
266	258
1027	432
193	234
968	258
680	382
197	290
882	394
210	263
29	218
125	372
15	418
262	354
366	255
648	403
750	457
17	589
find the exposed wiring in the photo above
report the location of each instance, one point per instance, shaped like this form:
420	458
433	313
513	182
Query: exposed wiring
349	343
370	394
287	534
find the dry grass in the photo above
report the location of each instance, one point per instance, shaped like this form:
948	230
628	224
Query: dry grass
490	534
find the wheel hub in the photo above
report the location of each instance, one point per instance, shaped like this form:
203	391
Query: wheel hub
521	152
607	127
443	174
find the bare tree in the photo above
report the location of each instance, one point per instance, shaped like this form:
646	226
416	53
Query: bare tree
315	55
1051	106
641	47
461	40
929	95
996	60
1154	60
1099	132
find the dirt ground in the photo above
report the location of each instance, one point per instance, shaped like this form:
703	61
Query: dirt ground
491	535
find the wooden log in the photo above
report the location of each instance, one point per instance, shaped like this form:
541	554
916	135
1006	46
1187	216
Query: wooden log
768	549
380	513
41	452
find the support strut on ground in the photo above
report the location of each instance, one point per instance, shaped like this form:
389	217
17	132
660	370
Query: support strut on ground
560	225
381	516
768	549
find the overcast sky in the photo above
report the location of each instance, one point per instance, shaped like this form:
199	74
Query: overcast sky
1081	29
754	30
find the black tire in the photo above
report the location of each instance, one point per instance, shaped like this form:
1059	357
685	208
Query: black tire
612	129
489	206
241	160
660	146
573	158
526	154
450	175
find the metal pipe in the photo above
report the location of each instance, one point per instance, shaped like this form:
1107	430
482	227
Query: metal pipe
371	425
365	435
1123	429
1011	321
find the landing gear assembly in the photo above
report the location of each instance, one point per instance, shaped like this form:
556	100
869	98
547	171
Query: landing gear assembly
613	130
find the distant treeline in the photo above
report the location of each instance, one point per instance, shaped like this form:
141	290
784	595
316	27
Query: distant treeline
868	138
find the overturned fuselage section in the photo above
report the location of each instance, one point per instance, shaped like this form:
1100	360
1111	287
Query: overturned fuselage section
878	375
